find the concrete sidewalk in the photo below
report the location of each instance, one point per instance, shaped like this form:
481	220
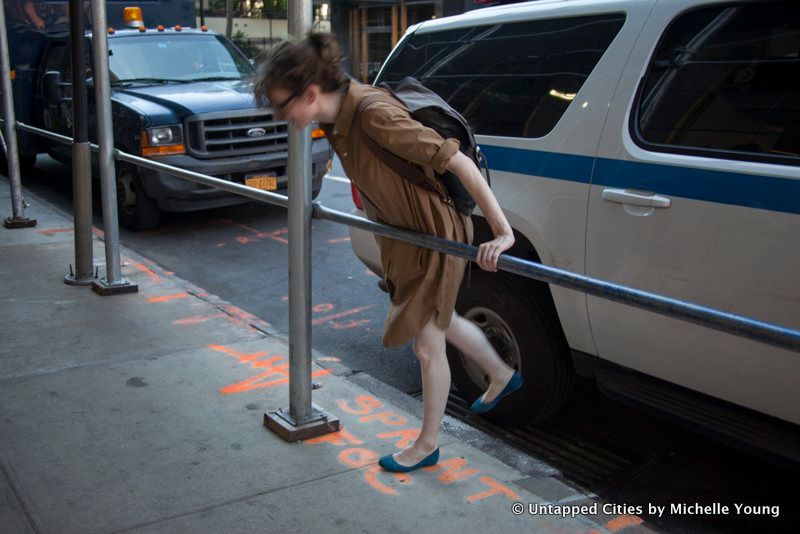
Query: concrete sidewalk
143	413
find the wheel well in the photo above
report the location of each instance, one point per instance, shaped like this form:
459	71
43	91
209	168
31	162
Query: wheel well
522	248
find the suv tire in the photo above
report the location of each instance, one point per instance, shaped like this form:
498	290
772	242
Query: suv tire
519	318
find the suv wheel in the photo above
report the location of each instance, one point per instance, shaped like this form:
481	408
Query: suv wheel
519	318
137	211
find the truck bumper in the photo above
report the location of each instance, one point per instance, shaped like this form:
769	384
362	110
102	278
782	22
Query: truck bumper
176	194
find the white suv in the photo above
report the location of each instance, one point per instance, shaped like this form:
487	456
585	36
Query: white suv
650	143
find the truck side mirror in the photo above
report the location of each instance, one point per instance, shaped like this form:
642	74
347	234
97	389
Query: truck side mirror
53	88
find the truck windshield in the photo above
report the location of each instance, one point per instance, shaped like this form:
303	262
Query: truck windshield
180	58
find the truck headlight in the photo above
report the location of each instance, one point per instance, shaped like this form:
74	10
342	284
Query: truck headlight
163	141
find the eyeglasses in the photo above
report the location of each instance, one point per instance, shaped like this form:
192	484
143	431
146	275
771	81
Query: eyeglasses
280	107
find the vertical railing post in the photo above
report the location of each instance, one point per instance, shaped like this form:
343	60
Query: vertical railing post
17	219
81	153
304	420
113	283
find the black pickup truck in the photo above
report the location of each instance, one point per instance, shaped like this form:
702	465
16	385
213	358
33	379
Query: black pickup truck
180	96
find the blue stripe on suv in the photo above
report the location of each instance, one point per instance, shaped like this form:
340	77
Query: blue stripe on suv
738	189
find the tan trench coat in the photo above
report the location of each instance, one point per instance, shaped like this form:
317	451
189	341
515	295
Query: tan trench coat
421	282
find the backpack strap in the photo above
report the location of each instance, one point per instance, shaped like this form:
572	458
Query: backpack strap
406	169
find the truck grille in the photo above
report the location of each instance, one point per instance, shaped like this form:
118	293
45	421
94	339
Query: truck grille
235	133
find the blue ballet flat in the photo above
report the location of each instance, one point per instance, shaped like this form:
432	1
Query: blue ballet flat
388	463
513	385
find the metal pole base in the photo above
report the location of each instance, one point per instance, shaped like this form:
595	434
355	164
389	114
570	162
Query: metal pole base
19	222
319	424
104	289
72	281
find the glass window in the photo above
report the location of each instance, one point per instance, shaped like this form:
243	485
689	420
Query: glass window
184	57
512	79
726	80
60	58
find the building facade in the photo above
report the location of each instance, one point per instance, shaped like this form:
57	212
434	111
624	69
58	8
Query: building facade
369	29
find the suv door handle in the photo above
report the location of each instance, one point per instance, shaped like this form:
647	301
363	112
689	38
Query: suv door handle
636	198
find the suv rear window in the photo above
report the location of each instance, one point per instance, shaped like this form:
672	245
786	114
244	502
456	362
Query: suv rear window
724	82
512	79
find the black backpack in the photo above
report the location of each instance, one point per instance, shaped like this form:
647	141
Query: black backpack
432	111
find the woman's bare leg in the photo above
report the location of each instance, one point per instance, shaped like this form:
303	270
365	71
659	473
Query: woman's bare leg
472	342
429	347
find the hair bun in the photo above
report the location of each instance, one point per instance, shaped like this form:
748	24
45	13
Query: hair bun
294	65
327	47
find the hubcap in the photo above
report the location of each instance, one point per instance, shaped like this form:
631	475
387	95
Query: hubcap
500	336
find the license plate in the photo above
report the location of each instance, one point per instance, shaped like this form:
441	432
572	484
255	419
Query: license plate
264	182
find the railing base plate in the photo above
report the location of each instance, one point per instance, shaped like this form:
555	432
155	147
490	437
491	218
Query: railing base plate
104	289
321	423
20	222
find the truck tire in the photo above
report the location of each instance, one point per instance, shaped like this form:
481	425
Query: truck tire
519	318
26	163
137	211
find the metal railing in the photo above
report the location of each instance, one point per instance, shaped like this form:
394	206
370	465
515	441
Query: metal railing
730	323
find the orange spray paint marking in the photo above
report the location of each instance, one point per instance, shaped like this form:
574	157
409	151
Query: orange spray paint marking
53	231
350	324
244	240
274	235
453	470
275	365
196	319
371	477
166	298
325	307
387	418
359	458
406	436
98	232
147	270
170	273
255	382
623	521
241	356
248	228
340	240
496	488
340	439
327	318
365	405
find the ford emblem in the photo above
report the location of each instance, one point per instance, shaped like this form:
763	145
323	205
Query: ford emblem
256	132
